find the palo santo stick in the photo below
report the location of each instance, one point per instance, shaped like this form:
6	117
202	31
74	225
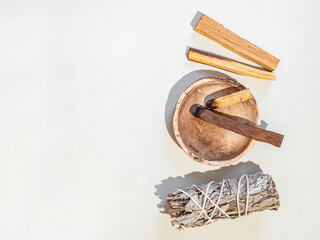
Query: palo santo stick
228	64
237	127
218	33
230	99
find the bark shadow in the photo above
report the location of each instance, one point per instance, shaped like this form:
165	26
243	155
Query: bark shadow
171	183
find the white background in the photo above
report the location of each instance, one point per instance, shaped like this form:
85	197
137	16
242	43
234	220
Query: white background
83	137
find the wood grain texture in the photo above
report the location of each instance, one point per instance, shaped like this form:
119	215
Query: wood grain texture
224	101
240	128
228	64
226	38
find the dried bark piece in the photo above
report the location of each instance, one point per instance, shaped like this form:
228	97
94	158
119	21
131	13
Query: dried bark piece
185	212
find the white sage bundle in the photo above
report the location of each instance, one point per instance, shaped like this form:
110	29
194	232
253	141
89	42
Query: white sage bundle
202	204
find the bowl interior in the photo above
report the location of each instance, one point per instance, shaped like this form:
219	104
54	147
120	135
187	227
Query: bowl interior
205	142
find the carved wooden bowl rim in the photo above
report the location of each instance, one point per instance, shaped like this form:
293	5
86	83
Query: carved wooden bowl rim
176	130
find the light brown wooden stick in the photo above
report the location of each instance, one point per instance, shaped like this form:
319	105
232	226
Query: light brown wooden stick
228	64
218	33
230	99
237	127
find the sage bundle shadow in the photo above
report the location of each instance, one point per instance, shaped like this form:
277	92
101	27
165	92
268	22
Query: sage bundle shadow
203	204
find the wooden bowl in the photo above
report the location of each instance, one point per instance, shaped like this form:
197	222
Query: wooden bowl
205	142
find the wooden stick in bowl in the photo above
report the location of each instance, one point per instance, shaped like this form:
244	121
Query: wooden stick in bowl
237	127
240	96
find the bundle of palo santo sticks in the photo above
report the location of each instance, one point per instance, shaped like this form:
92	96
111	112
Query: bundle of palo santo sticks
203	204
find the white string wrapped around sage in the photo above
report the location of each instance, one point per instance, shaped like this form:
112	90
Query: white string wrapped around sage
203	204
